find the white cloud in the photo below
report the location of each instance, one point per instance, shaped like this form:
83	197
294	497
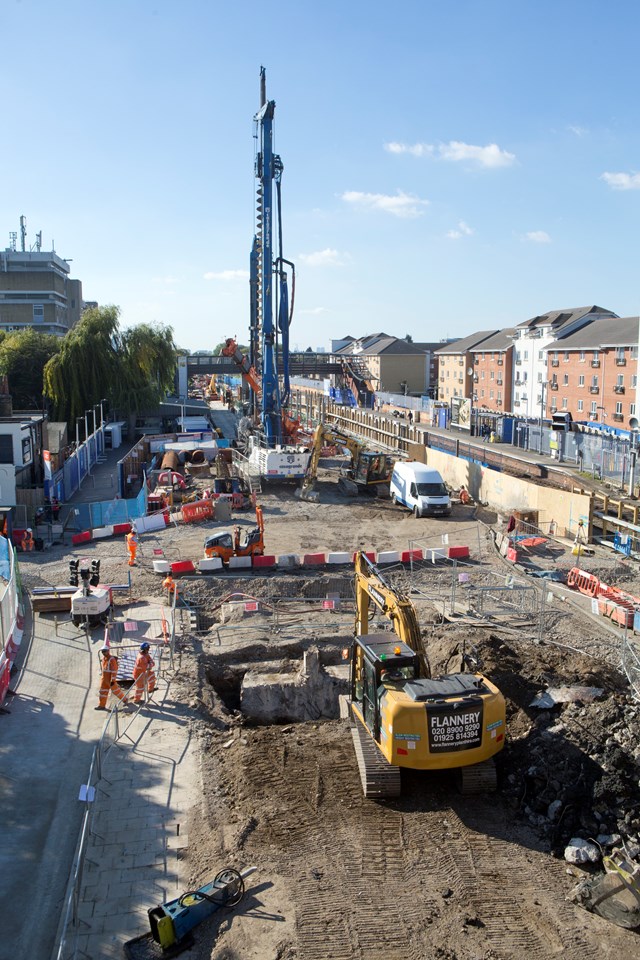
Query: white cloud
322	258
579	131
226	275
456	151
622	181
417	149
401	205
538	236
489	156
463	230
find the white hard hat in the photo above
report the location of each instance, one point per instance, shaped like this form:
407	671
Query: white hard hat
104	649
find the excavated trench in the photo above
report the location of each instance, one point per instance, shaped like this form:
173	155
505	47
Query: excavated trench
290	682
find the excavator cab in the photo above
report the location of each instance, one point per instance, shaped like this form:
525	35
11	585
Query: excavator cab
376	660
371	468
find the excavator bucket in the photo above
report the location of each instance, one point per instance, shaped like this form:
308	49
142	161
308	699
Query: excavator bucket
616	895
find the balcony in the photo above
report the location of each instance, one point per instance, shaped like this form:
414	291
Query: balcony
460	379
618	417
499	381
500	361
618	388
621	362
518	363
594	389
595	363
519	382
476	360
475	378
499	402
461	363
516	403
555	363
553	385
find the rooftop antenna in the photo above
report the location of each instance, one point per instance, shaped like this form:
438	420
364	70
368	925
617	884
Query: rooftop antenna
13	240
23	233
38	244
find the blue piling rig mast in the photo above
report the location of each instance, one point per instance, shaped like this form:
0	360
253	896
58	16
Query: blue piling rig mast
268	275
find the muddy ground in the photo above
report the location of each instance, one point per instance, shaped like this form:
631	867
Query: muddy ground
434	874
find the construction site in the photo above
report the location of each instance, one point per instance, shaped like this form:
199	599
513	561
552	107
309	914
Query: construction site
393	709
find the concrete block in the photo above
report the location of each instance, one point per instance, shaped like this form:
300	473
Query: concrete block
209	564
267	561
288	561
161	566
435	554
389	556
101	532
236	563
409	555
458	553
314	560
338	558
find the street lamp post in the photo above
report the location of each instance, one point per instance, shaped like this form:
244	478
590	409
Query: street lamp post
543	387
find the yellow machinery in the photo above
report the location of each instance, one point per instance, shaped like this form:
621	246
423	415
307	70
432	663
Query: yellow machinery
404	717
370	470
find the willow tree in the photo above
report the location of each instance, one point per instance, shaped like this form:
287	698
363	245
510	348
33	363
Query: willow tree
23	356
131	369
86	366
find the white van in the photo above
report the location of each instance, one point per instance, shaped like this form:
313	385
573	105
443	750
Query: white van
420	488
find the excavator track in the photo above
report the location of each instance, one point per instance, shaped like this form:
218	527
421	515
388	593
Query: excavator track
380	779
478	778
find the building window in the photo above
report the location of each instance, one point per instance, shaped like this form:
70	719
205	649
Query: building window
594	408
620	353
565	403
634	380
566	380
482	375
581	380
583	356
619	408
493	376
620	380
566	356
634	353
632	409
6	448
499	397
540	355
38	313
526	355
490	394
580	406
539	378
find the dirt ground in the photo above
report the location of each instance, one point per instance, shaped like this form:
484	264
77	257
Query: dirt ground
434	874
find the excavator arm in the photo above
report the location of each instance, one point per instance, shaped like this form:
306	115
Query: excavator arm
248	371
322	436
370	585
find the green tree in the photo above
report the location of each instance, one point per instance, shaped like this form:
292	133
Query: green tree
131	369
23	357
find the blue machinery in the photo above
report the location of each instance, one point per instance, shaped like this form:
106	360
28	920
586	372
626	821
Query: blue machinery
171	924
266	276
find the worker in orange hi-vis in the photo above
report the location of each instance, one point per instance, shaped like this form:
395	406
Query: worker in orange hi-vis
144	673
109	679
169	585
28	542
132	546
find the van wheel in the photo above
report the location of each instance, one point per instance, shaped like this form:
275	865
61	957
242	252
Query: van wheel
393	498
416	513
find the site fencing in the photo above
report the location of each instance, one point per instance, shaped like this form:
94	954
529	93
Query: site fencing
72	925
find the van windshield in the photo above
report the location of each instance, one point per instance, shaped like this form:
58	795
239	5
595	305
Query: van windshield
432	490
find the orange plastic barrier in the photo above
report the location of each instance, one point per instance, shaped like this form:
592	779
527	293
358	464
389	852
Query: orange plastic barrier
200	510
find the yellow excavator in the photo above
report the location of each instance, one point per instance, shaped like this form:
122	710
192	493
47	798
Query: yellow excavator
369	472
401	715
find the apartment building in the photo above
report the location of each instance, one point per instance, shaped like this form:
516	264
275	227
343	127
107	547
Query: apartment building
593	373
36	291
493	372
531	342
456	366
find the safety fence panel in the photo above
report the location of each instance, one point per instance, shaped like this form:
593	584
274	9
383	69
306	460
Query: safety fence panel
11	623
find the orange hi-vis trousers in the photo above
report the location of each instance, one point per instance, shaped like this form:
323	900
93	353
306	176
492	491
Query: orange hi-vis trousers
143	671
109	681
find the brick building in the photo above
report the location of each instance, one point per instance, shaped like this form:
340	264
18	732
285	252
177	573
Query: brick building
493	372
456	366
593	373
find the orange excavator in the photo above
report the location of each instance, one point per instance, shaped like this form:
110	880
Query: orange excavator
237	542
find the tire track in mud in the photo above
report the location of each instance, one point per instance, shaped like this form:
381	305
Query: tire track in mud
495	879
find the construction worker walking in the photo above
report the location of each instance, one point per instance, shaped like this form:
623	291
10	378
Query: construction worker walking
109	679
132	546
144	673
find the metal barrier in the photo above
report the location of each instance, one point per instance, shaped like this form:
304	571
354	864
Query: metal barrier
631	664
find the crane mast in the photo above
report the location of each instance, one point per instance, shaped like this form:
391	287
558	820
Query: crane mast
264	270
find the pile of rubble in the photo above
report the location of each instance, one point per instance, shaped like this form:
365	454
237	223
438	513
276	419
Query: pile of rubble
575	775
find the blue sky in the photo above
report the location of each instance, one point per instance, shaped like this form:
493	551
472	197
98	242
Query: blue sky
448	167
